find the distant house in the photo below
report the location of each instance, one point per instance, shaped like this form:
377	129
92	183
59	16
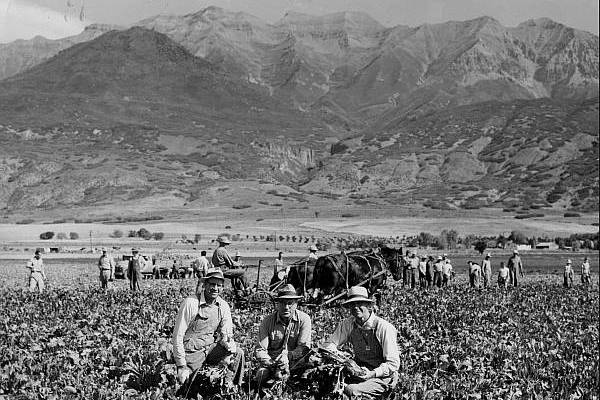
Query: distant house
546	246
523	247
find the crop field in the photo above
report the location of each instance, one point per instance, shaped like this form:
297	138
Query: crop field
77	342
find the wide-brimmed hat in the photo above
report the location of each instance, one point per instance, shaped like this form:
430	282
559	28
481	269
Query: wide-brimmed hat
568	261
103	249
440	258
224	240
135	250
357	294
313	248
287	292
237	254
488	255
213	273
37	252
515	251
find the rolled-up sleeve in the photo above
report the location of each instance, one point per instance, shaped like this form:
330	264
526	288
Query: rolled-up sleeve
187	312
262	346
340	335
387	334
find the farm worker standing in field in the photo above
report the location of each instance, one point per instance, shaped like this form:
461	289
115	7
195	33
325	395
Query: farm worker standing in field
486	270
515	266
280	271
585	272
203	334
375	348
201	265
568	275
423	272
413	270
134	274
447	271
37	275
474	275
438	269
106	265
221	258
503	274
312	252
429	271
284	338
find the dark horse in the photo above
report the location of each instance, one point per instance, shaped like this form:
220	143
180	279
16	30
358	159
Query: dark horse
301	275
335	272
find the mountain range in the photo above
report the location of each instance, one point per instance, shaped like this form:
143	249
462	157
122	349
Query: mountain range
457	114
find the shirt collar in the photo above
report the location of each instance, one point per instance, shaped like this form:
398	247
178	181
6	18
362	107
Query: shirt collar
369	323
293	317
202	300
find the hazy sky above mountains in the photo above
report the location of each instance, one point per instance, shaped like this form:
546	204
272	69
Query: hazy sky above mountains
58	18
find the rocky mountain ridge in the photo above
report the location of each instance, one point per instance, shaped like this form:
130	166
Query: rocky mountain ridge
456	115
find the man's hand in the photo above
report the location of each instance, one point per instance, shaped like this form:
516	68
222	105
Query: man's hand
283	362
366	374
183	373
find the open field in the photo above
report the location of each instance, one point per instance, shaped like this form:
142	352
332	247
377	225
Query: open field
73	341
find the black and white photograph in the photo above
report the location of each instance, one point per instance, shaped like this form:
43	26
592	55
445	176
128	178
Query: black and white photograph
299	200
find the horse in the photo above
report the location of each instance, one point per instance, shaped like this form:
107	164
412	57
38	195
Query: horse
333	273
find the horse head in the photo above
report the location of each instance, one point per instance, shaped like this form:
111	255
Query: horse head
394	260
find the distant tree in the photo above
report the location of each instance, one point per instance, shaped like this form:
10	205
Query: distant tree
61	235
132	234
425	239
115	234
197	238
47	235
144	233
75	235
480	246
518	237
158	235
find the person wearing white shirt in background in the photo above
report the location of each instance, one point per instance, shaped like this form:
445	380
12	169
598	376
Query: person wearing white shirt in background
568	275
474	275
201	265
446	272
312	253
37	274
373	340
106	265
503	273
585	272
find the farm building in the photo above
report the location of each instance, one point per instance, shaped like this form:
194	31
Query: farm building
546	246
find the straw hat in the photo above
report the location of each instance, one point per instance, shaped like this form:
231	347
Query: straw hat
313	248
135	250
488	255
213	273
358	294
287	292
237	254
515	251
568	261
224	240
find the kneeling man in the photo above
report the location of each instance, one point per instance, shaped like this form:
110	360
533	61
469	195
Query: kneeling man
203	333
374	343
284	337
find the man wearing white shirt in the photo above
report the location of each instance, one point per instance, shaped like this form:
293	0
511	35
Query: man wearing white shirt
585	272
37	274
373	340
201	265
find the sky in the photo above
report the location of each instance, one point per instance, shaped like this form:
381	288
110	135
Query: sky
24	19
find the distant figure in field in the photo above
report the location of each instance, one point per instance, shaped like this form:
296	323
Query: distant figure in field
221	258
585	272
503	276
106	265
429	271
280	272
486	270
438	271
474	275
515	266
568	275
174	274
413	270
134	269
447	271
201	265
423	272
37	275
312	252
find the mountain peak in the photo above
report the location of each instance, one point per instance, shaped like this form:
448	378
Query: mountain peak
544	23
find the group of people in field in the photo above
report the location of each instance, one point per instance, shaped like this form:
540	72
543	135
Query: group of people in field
203	337
429	271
